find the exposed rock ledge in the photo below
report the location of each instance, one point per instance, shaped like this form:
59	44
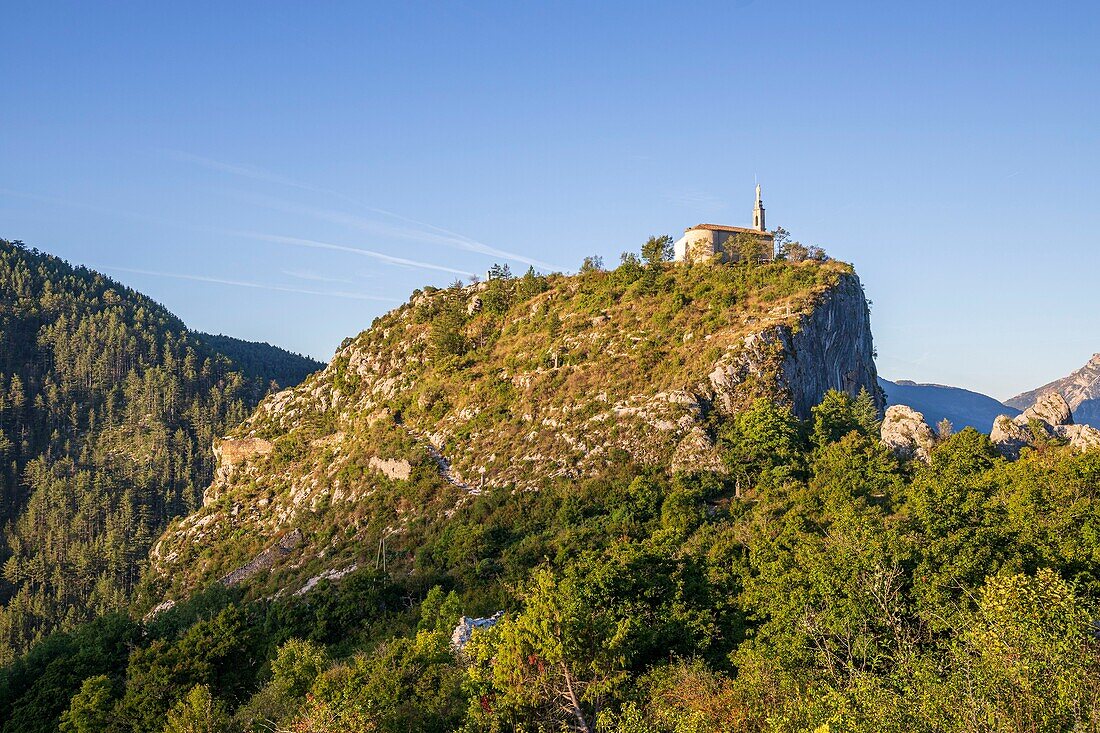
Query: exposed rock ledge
1049	417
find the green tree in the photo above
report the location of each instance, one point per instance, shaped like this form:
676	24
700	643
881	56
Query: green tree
762	445
197	712
592	263
657	250
91	709
839	414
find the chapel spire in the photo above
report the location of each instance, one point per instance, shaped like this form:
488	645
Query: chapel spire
758	212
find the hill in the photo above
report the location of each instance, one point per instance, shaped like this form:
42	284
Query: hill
511	385
1081	389
809	578
108	409
263	361
961	407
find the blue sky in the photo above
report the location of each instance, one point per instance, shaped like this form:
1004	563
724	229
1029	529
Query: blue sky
288	171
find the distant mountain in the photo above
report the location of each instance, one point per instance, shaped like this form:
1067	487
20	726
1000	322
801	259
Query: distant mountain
1081	390
961	407
262	360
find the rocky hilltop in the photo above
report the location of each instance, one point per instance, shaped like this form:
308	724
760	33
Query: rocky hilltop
505	386
1081	389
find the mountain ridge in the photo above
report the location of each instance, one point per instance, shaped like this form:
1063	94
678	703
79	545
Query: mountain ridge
1080	388
961	407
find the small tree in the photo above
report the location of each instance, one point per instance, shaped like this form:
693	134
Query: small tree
944	429
795	252
197	712
781	237
592	263
500	272
748	247
90	710
657	250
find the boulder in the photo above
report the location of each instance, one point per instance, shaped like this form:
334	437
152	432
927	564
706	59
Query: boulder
395	469
466	627
1052	417
905	432
1009	436
1051	409
1081	437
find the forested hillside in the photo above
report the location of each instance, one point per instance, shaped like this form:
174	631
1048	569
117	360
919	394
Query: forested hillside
842	591
263	361
108	409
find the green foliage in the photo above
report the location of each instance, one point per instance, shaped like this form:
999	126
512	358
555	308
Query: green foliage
839	414
763	445
657	250
108	409
198	712
91	709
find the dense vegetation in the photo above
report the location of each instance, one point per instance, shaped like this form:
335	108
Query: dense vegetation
816	583
843	590
263	361
108	408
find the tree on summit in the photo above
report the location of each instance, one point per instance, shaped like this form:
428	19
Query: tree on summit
657	250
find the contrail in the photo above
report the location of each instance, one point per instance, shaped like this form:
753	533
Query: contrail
313	244
246	284
449	237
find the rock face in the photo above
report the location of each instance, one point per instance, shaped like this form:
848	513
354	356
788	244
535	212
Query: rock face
263	561
829	347
1050	408
905	432
1049	418
1081	390
232	452
832	348
395	469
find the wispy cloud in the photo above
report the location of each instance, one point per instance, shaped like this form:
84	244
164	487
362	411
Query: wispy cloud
418	231
314	244
247	284
315	277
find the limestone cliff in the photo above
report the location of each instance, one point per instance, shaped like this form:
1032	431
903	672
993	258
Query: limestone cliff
508	385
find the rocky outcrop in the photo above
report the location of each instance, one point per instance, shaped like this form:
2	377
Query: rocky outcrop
905	432
1051	409
393	468
554	387
829	347
832	348
466	627
232	452
1081	390
269	557
1050	418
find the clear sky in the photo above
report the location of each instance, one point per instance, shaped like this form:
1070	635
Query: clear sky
287	171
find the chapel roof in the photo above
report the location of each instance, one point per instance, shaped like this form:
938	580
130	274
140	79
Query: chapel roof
724	228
